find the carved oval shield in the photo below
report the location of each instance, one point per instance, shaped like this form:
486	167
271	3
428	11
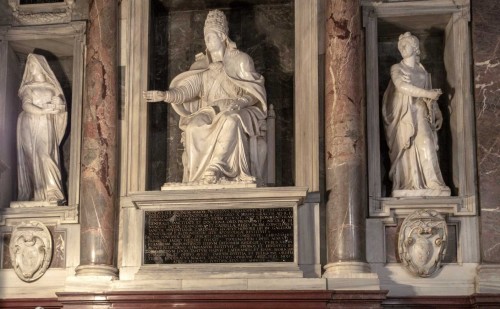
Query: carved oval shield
30	250
422	242
421	251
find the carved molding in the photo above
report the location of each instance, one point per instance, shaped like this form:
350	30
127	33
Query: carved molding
422	242
30	250
39	14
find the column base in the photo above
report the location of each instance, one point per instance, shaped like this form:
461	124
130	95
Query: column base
488	278
350	276
97	270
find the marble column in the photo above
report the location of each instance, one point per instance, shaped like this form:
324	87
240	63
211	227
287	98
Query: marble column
98	191
486	55
345	149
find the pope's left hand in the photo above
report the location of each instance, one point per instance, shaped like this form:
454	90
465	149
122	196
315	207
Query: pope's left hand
227	105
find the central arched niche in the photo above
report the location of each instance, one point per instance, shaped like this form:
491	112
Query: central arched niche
262	29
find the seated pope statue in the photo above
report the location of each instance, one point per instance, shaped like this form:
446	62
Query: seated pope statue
221	101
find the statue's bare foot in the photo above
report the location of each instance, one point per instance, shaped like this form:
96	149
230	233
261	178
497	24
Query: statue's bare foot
54	199
211	175
210	180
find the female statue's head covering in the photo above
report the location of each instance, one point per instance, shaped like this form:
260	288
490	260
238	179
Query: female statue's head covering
28	77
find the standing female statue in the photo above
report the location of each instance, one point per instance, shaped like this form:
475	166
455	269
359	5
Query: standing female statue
411	118
40	129
222	104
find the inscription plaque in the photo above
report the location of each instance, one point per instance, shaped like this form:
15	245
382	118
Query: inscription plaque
219	236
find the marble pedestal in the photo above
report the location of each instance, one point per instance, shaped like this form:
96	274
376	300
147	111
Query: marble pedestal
488	278
458	272
135	274
350	276
62	223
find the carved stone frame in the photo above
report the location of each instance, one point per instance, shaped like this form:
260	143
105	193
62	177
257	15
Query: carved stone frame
75	32
38	14
457	48
62	218
309	44
309	50
136	204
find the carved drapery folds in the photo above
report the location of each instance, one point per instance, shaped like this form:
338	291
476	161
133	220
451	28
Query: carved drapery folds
41	127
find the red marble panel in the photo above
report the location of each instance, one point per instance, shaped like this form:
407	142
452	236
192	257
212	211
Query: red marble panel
455	302
25	303
262	300
253	299
226	299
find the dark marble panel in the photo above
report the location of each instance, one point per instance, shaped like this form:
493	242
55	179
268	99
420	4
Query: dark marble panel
59	248
5	13
249	235
486	57
213	4
177	36
38	1
8	128
63	69
391	243
6	262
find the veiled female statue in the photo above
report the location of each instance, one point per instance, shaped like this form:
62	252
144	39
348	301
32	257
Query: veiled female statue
222	104
411	118
40	129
